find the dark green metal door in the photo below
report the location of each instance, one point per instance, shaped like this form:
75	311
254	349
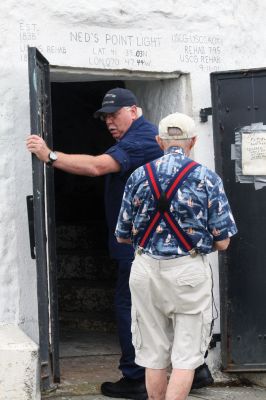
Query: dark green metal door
238	100
44	221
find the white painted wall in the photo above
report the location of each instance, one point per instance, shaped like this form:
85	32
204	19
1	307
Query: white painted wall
162	97
164	36
19	365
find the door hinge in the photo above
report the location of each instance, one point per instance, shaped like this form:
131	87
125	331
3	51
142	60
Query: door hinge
204	113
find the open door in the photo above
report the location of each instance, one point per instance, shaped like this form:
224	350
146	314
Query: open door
44	221
239	108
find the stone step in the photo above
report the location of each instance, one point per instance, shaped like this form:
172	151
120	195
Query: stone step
79	295
83	266
91	238
90	321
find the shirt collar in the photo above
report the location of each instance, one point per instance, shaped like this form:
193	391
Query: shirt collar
175	150
135	125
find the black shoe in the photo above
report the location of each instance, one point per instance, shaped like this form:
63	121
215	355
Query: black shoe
126	388
202	377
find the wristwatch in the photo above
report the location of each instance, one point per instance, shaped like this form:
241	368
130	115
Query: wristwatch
52	157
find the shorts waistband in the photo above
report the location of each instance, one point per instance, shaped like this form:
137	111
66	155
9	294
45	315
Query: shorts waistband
192	253
171	261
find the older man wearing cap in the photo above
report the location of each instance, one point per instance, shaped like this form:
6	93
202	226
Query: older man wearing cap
174	211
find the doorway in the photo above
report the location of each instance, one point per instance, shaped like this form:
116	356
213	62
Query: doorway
86	276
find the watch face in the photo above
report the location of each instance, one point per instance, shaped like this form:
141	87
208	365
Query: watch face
53	156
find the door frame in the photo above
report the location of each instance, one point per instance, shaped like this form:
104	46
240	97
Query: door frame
41	74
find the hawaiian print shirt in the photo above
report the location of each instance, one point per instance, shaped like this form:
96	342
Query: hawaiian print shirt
200	206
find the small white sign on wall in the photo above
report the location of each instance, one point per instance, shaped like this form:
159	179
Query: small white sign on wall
254	153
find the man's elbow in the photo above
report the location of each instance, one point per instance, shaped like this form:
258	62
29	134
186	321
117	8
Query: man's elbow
94	171
222	244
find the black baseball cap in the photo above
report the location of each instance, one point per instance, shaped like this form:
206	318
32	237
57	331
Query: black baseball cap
116	99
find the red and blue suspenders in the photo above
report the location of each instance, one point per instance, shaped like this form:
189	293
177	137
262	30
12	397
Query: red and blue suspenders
162	205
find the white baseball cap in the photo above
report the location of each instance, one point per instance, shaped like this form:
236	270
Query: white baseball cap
177	126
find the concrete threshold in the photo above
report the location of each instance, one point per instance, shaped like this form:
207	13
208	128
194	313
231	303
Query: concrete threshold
89	358
210	393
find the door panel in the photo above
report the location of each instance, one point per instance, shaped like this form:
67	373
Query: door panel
44	220
238	100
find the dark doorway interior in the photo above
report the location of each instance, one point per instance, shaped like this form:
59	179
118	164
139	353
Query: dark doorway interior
86	275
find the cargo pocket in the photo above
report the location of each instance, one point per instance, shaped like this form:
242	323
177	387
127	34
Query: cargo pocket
136	335
206	332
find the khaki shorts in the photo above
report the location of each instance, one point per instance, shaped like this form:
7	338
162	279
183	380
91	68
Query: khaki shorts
171	311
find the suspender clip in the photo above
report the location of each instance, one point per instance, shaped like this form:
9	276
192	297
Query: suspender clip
193	253
139	251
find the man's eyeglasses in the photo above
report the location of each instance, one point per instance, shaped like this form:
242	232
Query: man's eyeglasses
113	115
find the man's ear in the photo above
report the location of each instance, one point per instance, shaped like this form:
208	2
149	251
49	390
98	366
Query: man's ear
193	141
134	112
159	141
